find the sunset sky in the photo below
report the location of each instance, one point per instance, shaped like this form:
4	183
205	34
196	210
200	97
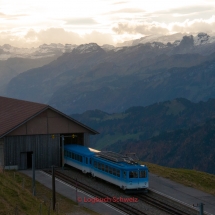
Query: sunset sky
27	23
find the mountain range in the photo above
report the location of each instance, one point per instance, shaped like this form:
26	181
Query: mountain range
176	133
113	79
153	96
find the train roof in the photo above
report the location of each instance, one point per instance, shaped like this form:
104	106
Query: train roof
109	157
118	160
80	149
121	164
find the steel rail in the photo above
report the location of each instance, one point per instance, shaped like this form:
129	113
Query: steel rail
162	205
96	193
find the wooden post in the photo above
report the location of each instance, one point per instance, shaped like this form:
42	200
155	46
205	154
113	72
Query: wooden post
62	138
33	174
53	188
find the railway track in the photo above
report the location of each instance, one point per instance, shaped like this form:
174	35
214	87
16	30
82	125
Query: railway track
166	207
158	202
116	203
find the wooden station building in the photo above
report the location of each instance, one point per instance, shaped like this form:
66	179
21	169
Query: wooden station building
28	128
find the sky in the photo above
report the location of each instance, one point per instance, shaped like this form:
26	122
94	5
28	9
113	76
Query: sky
30	23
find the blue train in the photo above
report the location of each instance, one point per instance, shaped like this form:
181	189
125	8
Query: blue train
109	166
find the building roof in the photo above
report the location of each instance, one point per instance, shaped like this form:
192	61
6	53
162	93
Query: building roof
15	112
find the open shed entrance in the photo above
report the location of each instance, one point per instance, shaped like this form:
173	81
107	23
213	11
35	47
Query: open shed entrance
26	160
29	160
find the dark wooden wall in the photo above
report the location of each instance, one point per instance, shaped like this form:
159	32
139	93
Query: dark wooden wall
1	153
46	148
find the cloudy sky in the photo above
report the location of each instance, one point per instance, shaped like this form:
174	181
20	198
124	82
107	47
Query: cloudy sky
27	23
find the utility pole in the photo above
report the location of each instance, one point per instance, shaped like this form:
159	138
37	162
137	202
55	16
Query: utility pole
53	188
76	185
33	173
201	208
62	146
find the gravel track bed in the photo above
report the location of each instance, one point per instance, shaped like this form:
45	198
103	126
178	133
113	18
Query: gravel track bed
110	190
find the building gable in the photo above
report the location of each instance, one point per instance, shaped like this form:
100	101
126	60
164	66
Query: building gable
49	122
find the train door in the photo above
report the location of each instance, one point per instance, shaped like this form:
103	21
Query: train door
124	177
86	166
133	179
143	177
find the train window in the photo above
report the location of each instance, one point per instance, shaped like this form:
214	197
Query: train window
65	153
95	164
114	171
90	160
86	160
73	156
142	174
81	159
99	166
70	154
118	173
103	167
106	168
133	174
110	170
124	174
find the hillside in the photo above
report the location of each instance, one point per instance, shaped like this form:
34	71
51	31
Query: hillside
105	88
12	67
176	133
191	178
16	198
188	148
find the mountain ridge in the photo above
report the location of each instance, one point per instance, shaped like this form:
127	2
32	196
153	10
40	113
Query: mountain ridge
161	133
90	77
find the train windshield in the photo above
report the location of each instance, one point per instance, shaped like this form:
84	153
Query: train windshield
133	174
142	174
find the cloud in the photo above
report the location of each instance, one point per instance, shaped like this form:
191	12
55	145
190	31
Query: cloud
53	35
11	17
197	25
81	21
99	38
193	9
126	10
145	29
120	2
149	28
183	13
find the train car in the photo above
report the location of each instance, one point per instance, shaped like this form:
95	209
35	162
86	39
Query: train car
79	157
109	166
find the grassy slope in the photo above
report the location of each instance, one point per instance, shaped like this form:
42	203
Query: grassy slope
16	197
192	178
13	195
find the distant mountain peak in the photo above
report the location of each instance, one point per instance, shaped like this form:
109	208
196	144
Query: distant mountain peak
202	38
52	45
6	46
108	47
44	50
90	47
